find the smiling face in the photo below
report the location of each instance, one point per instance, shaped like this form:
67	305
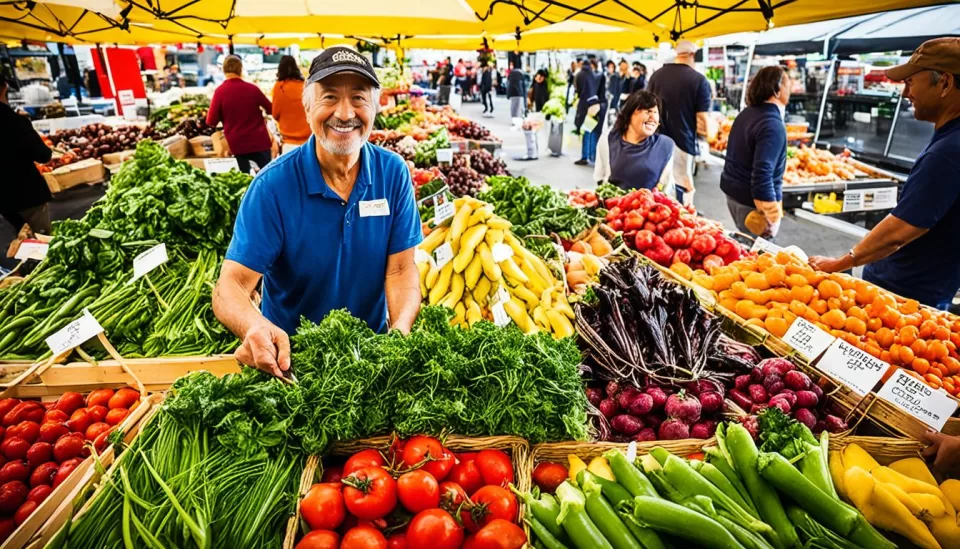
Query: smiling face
925	96
645	121
340	110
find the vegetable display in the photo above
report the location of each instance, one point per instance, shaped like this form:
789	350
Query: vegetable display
535	209
491	273
96	140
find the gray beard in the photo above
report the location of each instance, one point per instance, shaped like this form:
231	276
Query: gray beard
334	146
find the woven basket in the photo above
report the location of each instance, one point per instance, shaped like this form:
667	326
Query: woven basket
557	452
884	450
517	448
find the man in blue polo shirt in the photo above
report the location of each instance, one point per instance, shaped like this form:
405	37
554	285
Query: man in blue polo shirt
332	225
913	252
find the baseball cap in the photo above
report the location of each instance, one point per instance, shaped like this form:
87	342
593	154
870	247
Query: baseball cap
686	46
939	54
339	59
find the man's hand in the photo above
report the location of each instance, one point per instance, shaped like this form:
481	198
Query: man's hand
828	264
265	347
947	450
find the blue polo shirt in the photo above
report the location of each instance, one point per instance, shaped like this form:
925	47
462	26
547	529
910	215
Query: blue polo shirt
317	252
928	269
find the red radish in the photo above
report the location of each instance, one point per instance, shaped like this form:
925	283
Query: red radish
609	408
642	403
39	493
15	448
673	429
806	416
796	380
626	396
683	407
703	429
704	386
50	432
14	470
594	395
806	399
626	425
773	383
756	375
612	389
741	399
779	366
24	511
790	397
43	474
659	396
758	395
646	435
835	424
12	495
711	402
780	403
817	390
39	453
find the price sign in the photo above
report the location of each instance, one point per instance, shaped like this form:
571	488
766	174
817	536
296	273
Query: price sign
444	155
931	406
32	249
869	199
502	295
500	316
854	367
764	245
807	339
501	252
443	209
220	165
74	334
420	256
149	260
443	255
126	97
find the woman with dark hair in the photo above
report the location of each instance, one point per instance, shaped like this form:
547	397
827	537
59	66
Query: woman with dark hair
752	175
633	155
539	94
288	105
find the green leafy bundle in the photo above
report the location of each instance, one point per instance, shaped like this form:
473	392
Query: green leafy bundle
535	209
425	153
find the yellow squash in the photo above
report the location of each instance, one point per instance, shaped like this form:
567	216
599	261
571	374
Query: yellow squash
601	468
473	271
914	468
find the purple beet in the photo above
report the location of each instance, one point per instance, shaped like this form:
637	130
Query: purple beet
779	366
780	402
740	399
646	435
626	425
642	404
816	389
594	395
756	375
758	395
613	389
773	383
711	402
752	425
835	424
806	399
653	420
684	407
806	416
659	396
741	382
703	429
626	396
609	408
673	429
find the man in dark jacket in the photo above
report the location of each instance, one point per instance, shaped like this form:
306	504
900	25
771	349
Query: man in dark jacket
586	83
25	191
516	91
614	84
486	87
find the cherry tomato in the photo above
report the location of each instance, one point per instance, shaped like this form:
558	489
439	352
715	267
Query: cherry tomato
436	529
397	541
65	469
547	476
418	491
500	534
364	537
99	397
467	475
451	495
363	458
489	503
495	467
370	493
323	507
435	459
319	539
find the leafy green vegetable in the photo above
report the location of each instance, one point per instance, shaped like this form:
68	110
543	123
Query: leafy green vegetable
425	153
780	433
535	209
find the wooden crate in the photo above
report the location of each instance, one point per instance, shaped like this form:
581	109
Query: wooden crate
517	448
36	524
83	172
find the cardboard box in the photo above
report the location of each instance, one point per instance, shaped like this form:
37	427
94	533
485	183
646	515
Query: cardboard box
177	146
220	146
86	171
110	159
202	146
195	162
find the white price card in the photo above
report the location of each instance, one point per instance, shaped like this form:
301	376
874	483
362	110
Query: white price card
855	367
126	97
74	334
501	296
443	255
443	209
501	252
807	339
420	256
32	249
869	199
764	245
149	260
500	316
444	155
930	406
220	165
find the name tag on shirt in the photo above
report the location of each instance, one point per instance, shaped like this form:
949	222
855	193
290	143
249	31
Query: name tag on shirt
374	208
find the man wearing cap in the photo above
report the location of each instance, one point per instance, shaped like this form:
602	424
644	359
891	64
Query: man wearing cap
684	97
913	251
331	225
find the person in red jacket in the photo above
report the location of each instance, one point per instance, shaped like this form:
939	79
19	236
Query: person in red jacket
238	105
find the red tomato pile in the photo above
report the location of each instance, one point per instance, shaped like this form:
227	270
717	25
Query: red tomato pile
668	233
415	496
582	198
44	443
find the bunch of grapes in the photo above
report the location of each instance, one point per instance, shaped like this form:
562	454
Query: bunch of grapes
461	178
468	129
486	164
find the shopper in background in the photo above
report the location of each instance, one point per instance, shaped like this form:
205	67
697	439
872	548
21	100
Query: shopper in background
588	104
614	83
486	87
238	105
571	76
752	175
602	114
685	96
288	105
515	91
632	155
332	225
913	250
25	191
539	94
626	82
639	77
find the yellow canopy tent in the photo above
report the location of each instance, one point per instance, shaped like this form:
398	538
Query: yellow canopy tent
576	35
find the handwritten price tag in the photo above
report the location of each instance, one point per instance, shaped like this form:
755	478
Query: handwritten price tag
149	260
32	249
443	255
764	245
443	209
74	334
500	316
854	367
502	295
420	256
501	252
220	165
807	339
929	405
444	155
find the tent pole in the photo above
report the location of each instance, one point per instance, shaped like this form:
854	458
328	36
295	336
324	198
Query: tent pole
893	126
823	99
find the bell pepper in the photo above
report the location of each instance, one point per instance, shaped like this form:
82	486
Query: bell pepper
682	256
616	224
644	240
633	221
659	213
660	252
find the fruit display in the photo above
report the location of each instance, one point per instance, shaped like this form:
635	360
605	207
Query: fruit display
486	164
583	198
468	129
774	289
668	233
902	497
659	412
416	493
44	442
810	165
462	179
585	258
488	271
58	161
718	142
96	140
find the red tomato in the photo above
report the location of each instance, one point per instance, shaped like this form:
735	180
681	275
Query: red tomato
14	470
547	476
500	534
68	446
39	493
43	474
99	397
95	430
430	454
34	412
79	421
15	448
467	456
7	526
319	539
467	475
418	491
397	541
436	529
363	458
451	495
55	416
69	402
495	467
8	404
364	537
12	496
395	451
50	432
97	413
40	452
490	503
123	398
323	507
100	442
115	416
24	511
370	493
28	430
65	469
332	474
